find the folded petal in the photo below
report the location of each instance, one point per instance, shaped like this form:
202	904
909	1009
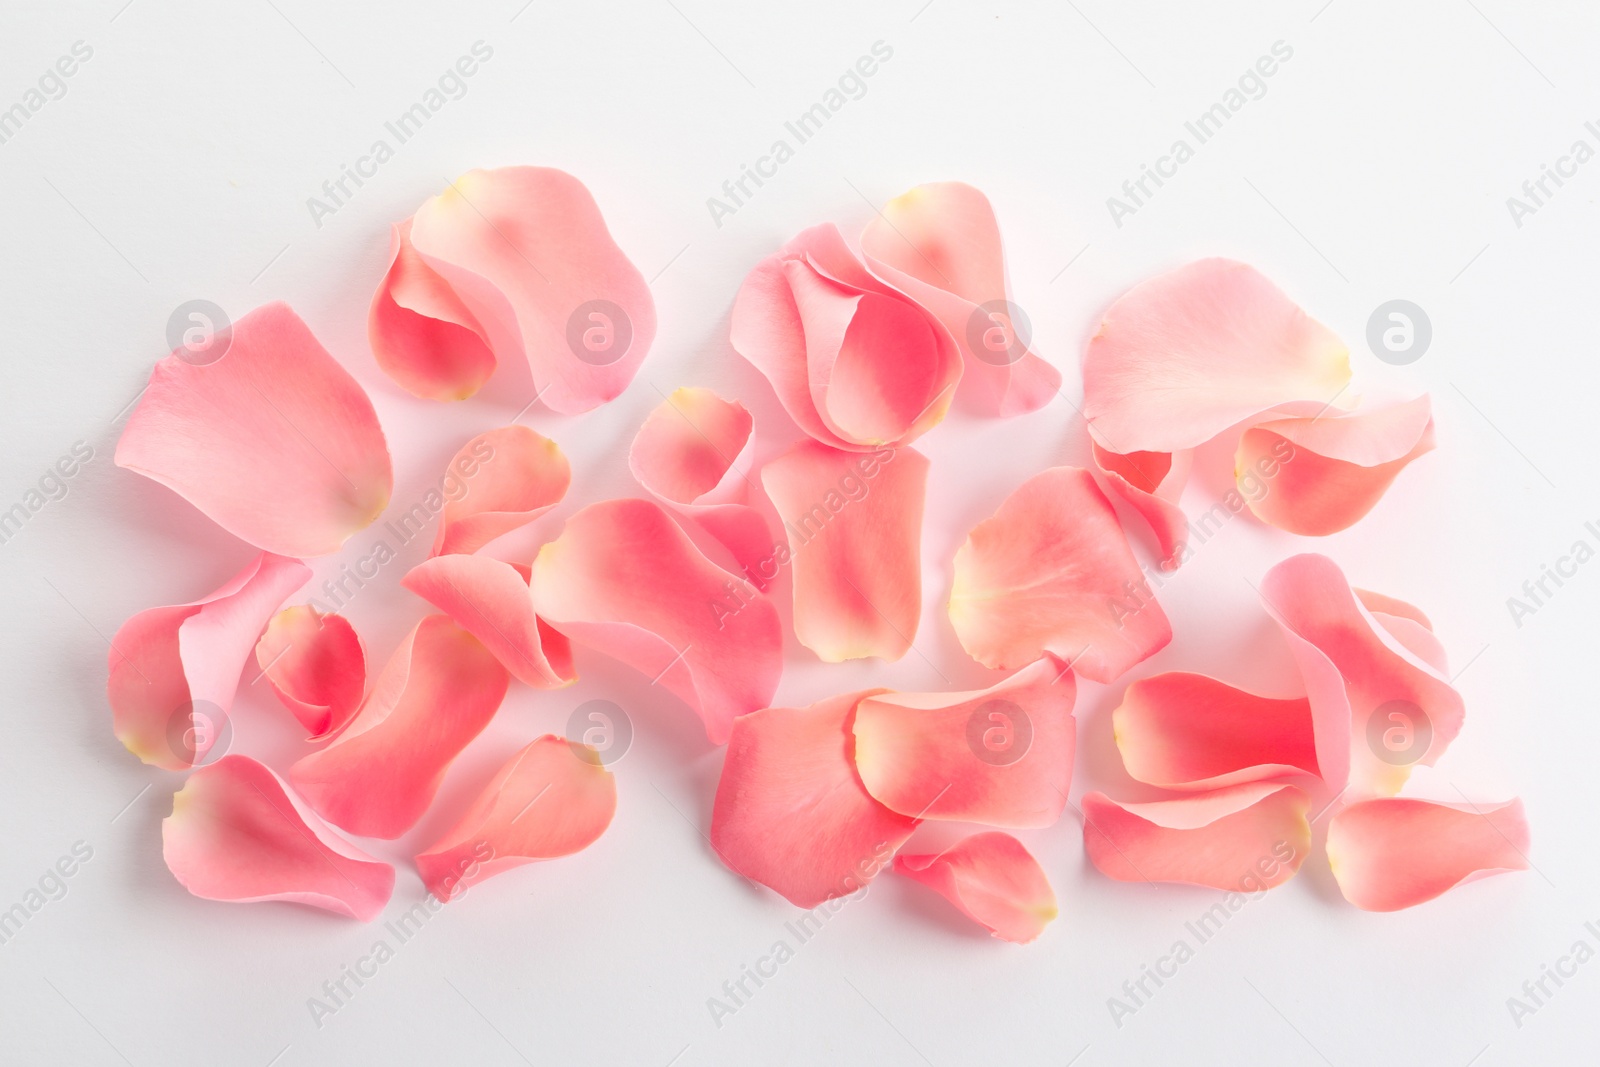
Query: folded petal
1395	852
625	579
1378	706
993	880
315	664
1002	756
237	833
173	671
940	245
422	335
551	799
1052	572
527	255
437	692
692	453
1189	732
1150	483
854	527
490	600
1244	838
275	442
1332	470
1185	355
500	480
791	812
854	362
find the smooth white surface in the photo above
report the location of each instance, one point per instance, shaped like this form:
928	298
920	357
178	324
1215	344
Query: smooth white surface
1376	165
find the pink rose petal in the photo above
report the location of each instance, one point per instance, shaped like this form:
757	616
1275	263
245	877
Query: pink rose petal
490	600
993	880
507	477
1394	852
315	664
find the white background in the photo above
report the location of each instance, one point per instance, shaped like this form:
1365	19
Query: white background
1376	166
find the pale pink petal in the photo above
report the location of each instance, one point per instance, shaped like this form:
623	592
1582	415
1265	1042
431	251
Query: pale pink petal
551	799
856	363
1334	468
1185	355
1002	756
626	580
1052	572
853	522
1189	732
995	882
173	671
490	600
528	256
790	811
1150	483
421	333
1395	852
237	833
1244	838
1378	706
940	245
692	453
315	664
500	480
274	441
437	692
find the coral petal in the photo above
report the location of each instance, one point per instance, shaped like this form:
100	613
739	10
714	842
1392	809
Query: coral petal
1245	837
508	477
1185	355
1395	852
490	600
626	580
995	882
437	692
1150	483
1188	732
854	524
274	441
1002	756
551	799
791	812
173	670
316	666
940	244
1051	571
237	833
422	335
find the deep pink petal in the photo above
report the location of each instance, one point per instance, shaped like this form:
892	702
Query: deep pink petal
1150	483
490	600
500	480
1395	852
315	664
995	882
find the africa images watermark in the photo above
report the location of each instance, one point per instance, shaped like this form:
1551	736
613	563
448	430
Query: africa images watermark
1538	591
52	486
450	85
852	85
1537	992
1540	190
52	886
1252	85
51	85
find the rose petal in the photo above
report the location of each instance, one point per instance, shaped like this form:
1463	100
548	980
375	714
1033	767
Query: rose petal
1051	572
528	257
855	363
790	811
1377	707
1150	483
1185	355
315	664
940	245
691	454
993	880
508	477
1396	852
853	522
1244	838
237	833
1002	756
422	335
626	580
1187	731
551	799
1332	470
437	692
173	671
490	600
275	442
